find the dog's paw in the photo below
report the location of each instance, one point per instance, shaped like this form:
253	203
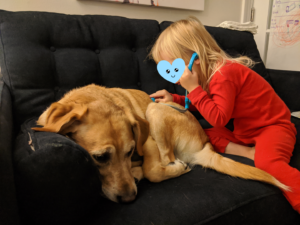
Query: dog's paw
183	165
137	173
188	169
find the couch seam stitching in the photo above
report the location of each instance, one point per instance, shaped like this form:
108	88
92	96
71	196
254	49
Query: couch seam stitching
4	56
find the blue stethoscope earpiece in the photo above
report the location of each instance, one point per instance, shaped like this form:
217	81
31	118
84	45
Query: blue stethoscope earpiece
190	66
193	58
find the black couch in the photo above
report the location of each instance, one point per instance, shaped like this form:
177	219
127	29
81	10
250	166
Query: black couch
46	178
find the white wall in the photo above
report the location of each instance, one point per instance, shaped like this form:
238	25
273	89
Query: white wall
261	18
215	11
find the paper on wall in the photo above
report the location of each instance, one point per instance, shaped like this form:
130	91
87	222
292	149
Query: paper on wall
284	40
296	114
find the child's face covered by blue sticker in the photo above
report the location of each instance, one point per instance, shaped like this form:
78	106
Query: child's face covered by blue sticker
171	73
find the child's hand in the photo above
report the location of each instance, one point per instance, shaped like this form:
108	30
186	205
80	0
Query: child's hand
162	96
189	80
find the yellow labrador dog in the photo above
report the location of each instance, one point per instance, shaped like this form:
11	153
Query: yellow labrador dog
113	123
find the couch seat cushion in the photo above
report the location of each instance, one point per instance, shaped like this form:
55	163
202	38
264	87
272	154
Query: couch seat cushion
201	196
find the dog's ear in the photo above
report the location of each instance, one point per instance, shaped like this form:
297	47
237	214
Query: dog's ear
58	117
140	129
141	132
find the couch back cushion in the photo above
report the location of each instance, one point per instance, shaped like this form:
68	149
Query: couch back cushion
44	55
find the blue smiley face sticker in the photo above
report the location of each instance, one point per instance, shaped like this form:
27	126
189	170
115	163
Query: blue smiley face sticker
171	73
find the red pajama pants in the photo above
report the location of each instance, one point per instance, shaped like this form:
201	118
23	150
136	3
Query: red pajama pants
273	149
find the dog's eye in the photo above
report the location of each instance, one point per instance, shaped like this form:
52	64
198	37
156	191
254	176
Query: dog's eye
130	152
69	135
102	158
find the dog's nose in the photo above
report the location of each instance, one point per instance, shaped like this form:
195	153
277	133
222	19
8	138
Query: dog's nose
127	197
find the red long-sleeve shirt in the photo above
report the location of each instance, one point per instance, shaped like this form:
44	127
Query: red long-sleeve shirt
238	92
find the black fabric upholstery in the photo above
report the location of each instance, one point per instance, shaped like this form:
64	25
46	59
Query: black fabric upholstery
200	197
8	202
56	179
44	55
295	159
74	51
287	80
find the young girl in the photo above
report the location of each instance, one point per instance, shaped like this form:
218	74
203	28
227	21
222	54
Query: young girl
221	88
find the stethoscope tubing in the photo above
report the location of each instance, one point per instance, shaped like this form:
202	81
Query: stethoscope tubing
190	66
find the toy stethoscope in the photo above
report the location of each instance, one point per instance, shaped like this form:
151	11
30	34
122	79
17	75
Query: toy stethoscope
187	101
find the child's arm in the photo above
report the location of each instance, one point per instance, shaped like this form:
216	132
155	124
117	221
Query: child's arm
218	107
165	96
162	96
180	99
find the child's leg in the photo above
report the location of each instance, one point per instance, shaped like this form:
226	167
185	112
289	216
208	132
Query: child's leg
223	139
274	147
241	150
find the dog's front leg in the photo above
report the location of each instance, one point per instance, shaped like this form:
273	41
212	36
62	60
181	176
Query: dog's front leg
153	169
166	150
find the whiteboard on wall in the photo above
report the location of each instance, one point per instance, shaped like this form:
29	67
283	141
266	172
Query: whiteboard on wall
284	39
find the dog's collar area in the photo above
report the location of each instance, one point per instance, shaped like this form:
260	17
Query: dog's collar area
174	107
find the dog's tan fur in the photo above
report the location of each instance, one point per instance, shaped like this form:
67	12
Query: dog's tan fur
110	122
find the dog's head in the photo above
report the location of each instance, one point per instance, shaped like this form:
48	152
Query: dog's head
110	135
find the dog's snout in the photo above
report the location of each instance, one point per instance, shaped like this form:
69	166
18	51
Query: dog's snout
127	197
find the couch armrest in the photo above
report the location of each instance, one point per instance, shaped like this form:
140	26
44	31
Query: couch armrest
295	160
286	84
8	203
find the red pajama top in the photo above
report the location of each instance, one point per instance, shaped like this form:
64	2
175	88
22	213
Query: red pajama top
236	91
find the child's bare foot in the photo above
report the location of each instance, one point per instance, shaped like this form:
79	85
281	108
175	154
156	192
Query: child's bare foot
241	150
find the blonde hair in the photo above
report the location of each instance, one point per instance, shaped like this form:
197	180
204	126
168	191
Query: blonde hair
184	37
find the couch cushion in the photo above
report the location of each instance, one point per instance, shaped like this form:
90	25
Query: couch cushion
8	203
286	84
201	196
44	55
48	54
56	179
